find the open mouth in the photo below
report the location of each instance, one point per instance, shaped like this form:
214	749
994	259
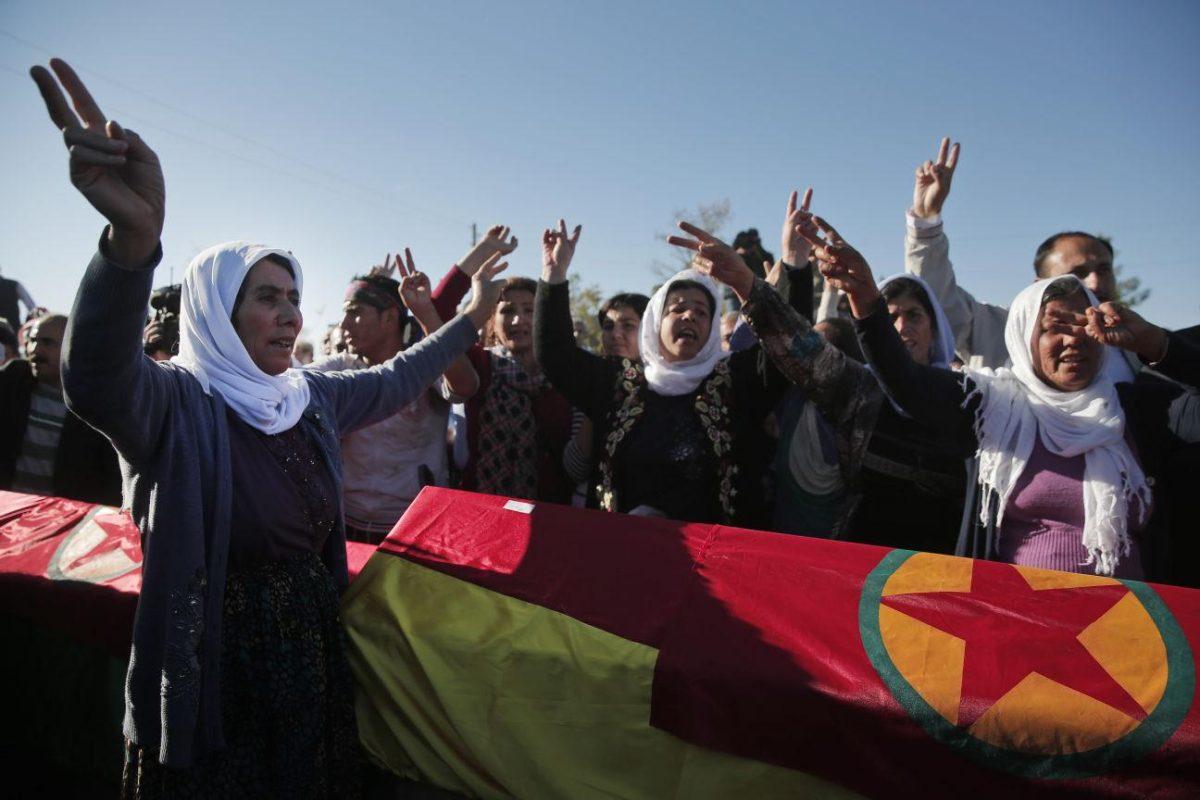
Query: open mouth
283	343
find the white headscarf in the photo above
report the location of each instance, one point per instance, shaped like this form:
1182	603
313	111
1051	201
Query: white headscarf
1017	405
209	346
678	377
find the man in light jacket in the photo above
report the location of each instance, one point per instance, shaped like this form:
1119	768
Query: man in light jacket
979	327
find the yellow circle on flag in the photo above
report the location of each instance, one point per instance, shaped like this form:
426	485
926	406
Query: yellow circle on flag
1038	715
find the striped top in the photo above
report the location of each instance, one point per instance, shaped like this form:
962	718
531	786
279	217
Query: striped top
34	472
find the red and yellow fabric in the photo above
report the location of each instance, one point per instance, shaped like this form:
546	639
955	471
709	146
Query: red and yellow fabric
509	650
77	567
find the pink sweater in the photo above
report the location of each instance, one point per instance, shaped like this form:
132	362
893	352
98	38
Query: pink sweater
1043	524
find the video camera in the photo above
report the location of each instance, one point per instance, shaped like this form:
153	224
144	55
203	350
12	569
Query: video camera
164	303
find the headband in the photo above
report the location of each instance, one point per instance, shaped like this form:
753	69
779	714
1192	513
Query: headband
366	292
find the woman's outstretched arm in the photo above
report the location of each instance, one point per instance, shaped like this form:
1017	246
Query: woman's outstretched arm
107	379
362	397
935	397
456	282
585	379
839	386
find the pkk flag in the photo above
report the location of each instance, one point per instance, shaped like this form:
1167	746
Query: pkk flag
77	567
506	649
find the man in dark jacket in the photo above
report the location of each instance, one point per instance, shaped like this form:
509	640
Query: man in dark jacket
44	448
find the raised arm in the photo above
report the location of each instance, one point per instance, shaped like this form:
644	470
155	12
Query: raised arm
461	378
795	252
1174	355
840	387
929	395
107	379
457	281
362	397
978	327
585	379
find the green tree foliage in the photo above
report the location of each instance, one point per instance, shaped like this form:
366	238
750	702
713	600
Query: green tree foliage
585	305
1129	289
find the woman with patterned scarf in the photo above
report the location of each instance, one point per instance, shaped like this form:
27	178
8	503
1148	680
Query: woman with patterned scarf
677	426
885	460
517	424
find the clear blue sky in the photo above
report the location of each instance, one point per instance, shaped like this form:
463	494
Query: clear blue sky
343	131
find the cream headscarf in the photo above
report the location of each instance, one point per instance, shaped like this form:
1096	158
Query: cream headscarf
679	377
209	346
1017	405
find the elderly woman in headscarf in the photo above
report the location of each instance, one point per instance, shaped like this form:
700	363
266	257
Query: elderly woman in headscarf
1066	456
676	426
885	478
238	682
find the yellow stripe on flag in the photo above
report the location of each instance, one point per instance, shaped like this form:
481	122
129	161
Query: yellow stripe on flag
495	697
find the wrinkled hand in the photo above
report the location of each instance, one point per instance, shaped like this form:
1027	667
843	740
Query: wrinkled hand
495	241
111	167
1117	325
415	291
485	290
843	267
716	259
557	251
932	185
794	248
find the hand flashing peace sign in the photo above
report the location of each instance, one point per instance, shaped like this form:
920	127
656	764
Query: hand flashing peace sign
843	266
932	185
1118	325
794	249
716	259
388	268
110	166
415	291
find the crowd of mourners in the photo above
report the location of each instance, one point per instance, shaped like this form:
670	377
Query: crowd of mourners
1059	431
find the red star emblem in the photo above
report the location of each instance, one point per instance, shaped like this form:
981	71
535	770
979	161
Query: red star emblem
1012	630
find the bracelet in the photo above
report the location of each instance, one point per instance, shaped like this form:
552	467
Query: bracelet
1166	347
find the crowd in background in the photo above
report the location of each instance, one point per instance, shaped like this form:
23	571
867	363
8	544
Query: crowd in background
1057	431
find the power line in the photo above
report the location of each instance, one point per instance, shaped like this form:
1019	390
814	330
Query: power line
429	215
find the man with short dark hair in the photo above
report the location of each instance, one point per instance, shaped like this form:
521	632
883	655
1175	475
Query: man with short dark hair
44	448
979	327
386	464
1084	255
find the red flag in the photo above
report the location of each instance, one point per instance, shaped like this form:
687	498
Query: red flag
887	672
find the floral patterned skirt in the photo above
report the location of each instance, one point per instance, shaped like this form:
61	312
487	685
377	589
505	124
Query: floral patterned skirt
287	697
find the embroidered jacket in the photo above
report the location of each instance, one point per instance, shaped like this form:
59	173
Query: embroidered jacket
731	405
